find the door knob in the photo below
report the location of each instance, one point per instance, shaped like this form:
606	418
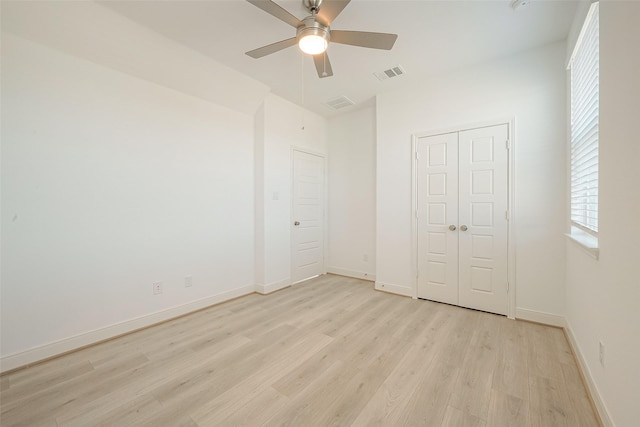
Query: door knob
463	227
452	227
296	223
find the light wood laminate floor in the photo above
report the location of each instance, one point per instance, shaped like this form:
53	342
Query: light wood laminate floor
330	351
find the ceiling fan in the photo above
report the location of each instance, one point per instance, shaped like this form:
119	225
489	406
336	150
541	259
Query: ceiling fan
313	33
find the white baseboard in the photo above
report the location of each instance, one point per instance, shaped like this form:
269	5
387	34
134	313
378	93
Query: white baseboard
586	372
540	317
272	287
351	273
66	345
394	289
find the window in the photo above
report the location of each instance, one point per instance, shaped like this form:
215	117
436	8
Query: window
584	67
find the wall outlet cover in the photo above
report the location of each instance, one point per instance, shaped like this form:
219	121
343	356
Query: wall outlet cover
157	288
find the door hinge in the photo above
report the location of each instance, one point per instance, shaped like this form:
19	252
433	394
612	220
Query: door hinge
508	144
417	156
507	215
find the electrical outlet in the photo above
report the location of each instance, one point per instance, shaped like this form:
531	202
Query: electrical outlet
157	288
601	347
188	281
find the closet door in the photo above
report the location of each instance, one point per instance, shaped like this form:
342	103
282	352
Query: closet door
438	218
483	162
461	218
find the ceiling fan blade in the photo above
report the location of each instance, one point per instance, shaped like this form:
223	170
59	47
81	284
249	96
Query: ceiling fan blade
329	9
323	66
275	10
364	39
271	48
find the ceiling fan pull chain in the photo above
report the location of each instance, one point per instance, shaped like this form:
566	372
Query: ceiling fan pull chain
324	64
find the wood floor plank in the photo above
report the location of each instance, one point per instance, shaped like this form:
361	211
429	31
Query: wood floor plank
304	310
571	376
126	385
388	404
222	373
354	396
583	409
169	418
563	351
427	405
510	375
242	394
420	319
578	395
311	403
550	404
64	396
543	359
4	383
255	412
21	388
354	320
296	380
507	411
454	417
329	351
473	388
115	413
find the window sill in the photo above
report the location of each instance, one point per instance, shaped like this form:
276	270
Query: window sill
587	243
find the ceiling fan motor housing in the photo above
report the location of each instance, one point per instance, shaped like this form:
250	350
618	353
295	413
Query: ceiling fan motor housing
310	27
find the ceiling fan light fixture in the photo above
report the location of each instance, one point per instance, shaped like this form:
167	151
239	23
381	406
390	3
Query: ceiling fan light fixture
313	38
312	44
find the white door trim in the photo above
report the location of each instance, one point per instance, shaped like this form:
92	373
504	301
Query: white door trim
511	236
325	231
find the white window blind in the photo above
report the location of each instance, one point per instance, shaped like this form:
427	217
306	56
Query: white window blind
585	73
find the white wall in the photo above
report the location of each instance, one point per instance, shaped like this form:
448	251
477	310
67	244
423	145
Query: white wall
603	295
281	126
123	172
110	183
91	31
530	87
352	188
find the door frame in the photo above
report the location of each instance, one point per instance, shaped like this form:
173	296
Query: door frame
511	236
325	222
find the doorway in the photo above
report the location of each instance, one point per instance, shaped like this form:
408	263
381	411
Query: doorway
462	217
307	246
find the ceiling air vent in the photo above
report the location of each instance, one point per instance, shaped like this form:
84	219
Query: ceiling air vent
390	73
338	103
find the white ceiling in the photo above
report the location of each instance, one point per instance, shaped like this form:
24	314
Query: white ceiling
434	37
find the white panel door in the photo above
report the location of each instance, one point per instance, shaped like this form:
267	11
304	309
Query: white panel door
308	216
482	211
437	211
462	224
